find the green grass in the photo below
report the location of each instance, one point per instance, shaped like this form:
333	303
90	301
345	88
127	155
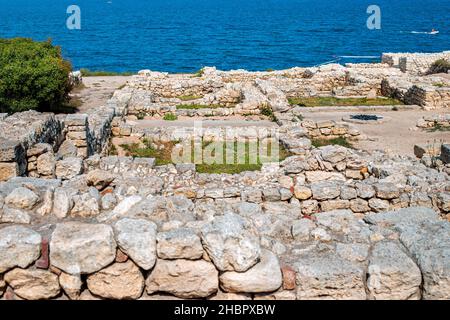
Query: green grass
198	73
333	101
439	84
90	73
189	97
163	156
438	127
197	106
245	165
268	112
341	141
170	117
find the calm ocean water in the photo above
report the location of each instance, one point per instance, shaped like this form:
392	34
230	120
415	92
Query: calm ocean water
184	35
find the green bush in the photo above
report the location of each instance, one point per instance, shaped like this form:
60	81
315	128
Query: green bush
440	66
33	75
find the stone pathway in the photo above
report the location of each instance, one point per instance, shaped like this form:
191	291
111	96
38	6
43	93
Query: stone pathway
97	90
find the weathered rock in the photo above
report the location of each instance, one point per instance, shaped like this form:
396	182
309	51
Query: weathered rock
11	215
231	243
80	248
325	190
46	164
365	191
359	205
22	198
19	247
328	276
33	284
71	284
137	238
69	168
183	278
99	179
301	229
386	190
392	274
310	206
180	243
8	170
67	150
337	204
265	276
118	281
62	203
125	205
85	205
378	204
302	192
333	153
426	238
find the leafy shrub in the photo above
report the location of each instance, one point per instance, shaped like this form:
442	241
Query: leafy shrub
440	66
33	75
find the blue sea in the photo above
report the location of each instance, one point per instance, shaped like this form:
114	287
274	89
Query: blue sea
185	35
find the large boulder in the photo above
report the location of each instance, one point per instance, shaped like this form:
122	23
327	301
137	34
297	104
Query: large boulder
392	274
231	242
137	238
33	284
82	248
183	278
19	247
118	281
265	276
329	276
22	198
426	237
182	243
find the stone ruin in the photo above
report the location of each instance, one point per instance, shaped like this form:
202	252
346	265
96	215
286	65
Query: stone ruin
325	223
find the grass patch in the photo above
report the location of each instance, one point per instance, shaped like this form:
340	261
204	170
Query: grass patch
170	116
439	84
197	106
341	141
245	163
162	154
333	101
189	97
199	73
90	73
438	128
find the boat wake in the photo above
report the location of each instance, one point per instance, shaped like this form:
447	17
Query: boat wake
420	32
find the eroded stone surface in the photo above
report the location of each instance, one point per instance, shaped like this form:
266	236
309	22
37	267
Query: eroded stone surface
19	247
183	278
80	248
118	281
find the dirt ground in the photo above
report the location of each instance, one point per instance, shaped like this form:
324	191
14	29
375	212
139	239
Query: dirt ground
97	90
394	135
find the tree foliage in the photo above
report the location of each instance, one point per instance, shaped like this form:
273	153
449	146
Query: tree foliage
33	75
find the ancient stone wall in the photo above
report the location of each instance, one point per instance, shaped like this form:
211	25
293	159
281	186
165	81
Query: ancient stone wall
137	225
414	63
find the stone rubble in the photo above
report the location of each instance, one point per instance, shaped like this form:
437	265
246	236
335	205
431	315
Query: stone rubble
325	223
